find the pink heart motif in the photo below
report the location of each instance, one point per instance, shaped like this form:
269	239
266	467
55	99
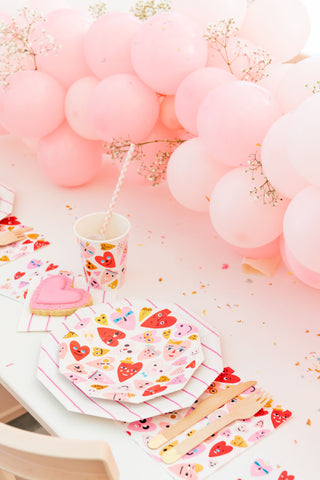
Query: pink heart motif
101	377
23	284
126	319
147	337
178	379
259	468
181	361
63	349
56	291
226	433
259	435
74	378
82	323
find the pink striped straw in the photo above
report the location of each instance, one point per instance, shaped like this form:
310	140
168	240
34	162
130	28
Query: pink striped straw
117	189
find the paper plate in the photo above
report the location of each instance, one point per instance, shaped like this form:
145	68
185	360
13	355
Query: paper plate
74	400
130	353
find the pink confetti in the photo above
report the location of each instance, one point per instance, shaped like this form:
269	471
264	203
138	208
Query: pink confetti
225	266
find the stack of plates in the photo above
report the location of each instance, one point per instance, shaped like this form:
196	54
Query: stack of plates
130	360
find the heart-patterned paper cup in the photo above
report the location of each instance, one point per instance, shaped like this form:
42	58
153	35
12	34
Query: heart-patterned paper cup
104	258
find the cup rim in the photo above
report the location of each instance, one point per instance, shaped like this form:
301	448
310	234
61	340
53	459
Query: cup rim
113	239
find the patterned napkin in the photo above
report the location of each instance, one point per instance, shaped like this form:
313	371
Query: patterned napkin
222	447
6	200
31	244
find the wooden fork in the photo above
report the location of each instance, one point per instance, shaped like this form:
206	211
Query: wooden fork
241	410
6	238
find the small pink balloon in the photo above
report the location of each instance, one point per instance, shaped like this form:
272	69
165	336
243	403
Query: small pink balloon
68	159
304	144
275	161
166	49
307	276
192	174
68	63
273	77
107	44
3	131
234	118
297	84
211	12
269	250
193	90
302	230
123	106
33	104
168	114
281	28
240	218
77	107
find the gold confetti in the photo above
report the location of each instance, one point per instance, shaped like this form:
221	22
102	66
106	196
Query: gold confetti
309	422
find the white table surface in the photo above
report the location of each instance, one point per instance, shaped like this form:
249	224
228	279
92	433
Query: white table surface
267	325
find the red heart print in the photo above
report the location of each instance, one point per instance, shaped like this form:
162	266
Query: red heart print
19	275
10	221
153	390
226	376
110	336
127	370
261	412
40	243
160	319
51	267
107	260
284	476
279	416
79	351
191	364
26	242
220	448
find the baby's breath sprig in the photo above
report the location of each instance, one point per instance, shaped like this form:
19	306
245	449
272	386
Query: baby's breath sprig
23	37
219	37
315	88
98	9
265	191
154	172
144	9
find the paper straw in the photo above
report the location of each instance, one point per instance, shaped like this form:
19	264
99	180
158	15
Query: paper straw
117	189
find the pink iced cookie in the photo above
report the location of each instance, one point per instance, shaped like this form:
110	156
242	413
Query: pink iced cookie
56	296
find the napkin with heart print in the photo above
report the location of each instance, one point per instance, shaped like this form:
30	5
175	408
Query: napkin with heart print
6	200
218	449
33	242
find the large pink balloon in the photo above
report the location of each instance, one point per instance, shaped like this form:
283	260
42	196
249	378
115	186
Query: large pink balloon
123	106
211	12
307	276
168	114
274	74
297	84
193	90
275	161
33	104
77	107
271	249
304	144
68	159
192	174
166	49
234	118
107	44
68	64
239	217
301	228
280	27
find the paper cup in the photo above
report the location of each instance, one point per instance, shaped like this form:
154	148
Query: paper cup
104	260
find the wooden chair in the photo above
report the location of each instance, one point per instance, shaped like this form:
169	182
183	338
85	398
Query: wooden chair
34	456
10	408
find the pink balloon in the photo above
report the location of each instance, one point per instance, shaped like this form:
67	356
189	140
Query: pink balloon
107	44
275	160
297	84
307	276
68	64
193	90
33	104
274	75
77	107
239	217
46	6
168	114
192	174
166	49
301	228
68	159
269	250
234	118
123	106
211	12
304	144
281	28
